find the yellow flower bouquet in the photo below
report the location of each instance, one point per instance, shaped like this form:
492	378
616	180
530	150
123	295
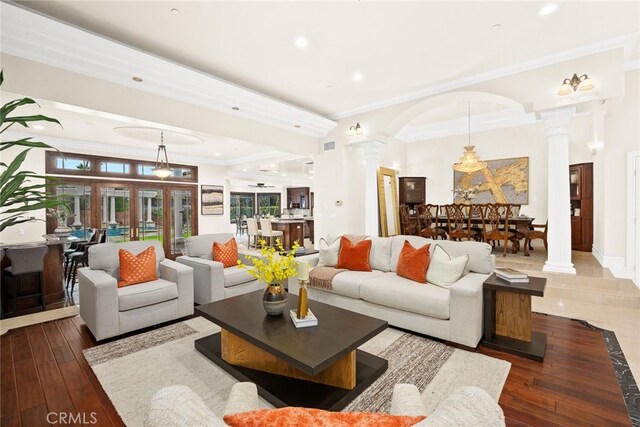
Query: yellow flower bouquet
274	265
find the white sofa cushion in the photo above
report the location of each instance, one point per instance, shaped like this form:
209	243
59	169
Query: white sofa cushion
328	252
235	275
391	290
147	293
443	269
479	254
380	255
348	283
397	243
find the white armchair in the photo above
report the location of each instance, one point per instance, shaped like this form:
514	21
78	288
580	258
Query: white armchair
213	282
109	311
178	405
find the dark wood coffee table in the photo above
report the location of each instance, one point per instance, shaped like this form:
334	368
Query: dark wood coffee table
315	367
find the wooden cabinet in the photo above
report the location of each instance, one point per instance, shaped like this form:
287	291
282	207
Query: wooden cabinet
412	191
298	198
581	195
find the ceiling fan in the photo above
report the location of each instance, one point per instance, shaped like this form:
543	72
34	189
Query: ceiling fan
260	185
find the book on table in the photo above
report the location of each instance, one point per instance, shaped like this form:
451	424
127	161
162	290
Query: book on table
309	320
511	275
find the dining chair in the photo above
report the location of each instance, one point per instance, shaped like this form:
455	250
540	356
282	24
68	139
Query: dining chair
267	231
537	234
408	226
459	223
495	224
252	230
475	219
428	222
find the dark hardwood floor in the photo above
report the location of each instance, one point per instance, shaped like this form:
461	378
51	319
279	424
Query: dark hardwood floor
43	371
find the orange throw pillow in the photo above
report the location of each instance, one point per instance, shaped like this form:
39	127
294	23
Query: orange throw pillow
308	417
139	268
413	263
354	257
226	253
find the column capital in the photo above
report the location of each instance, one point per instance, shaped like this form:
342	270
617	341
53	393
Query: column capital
370	147
556	122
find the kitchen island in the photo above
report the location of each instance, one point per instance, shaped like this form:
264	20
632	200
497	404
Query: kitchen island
292	230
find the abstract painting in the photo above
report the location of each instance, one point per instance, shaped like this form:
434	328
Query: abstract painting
212	199
502	181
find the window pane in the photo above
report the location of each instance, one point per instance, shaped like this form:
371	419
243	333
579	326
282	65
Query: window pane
73	164
269	203
114	167
145	170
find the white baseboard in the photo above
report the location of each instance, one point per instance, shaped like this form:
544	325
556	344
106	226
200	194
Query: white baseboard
559	268
617	265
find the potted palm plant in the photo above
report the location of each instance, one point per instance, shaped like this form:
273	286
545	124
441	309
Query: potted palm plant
21	191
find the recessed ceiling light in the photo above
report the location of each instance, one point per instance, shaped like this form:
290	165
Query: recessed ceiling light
244	169
38	127
548	9
329	86
216	154
284	174
175	11
136	79
301	42
357	77
235	108
496	26
296	126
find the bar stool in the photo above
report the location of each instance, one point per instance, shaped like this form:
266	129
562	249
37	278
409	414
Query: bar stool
267	231
25	261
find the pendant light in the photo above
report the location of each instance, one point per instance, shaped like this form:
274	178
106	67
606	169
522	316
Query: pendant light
469	162
162	169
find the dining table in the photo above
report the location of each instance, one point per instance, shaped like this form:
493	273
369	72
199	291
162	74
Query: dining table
522	223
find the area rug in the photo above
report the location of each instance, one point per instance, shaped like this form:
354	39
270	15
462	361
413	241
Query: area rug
131	370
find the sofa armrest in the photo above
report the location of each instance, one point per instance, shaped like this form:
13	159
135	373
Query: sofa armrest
465	310
467	406
243	397
406	400
208	279
182	275
99	302
178	405
244	256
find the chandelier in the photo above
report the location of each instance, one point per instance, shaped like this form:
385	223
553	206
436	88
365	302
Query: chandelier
469	162
162	169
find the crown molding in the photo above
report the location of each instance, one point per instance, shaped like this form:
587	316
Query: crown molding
32	36
626	42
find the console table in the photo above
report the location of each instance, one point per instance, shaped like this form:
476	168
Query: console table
507	317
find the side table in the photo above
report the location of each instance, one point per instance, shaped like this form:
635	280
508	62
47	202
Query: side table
507	317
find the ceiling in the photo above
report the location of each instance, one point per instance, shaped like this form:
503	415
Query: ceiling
90	129
398	47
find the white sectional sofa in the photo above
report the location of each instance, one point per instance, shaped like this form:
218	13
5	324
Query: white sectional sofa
453	314
211	281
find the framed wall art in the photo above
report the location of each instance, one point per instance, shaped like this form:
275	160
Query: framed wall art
212	199
502	181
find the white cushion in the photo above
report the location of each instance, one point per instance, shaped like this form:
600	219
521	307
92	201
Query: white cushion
391	290
236	276
380	254
328	253
397	243
479	254
147	293
348	283
444	270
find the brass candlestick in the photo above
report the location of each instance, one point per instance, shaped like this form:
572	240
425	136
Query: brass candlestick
303	308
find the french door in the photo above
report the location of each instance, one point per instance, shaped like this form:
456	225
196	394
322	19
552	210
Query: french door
130	211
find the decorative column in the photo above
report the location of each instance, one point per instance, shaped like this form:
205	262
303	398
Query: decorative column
112	216
149	220
556	123
76	211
